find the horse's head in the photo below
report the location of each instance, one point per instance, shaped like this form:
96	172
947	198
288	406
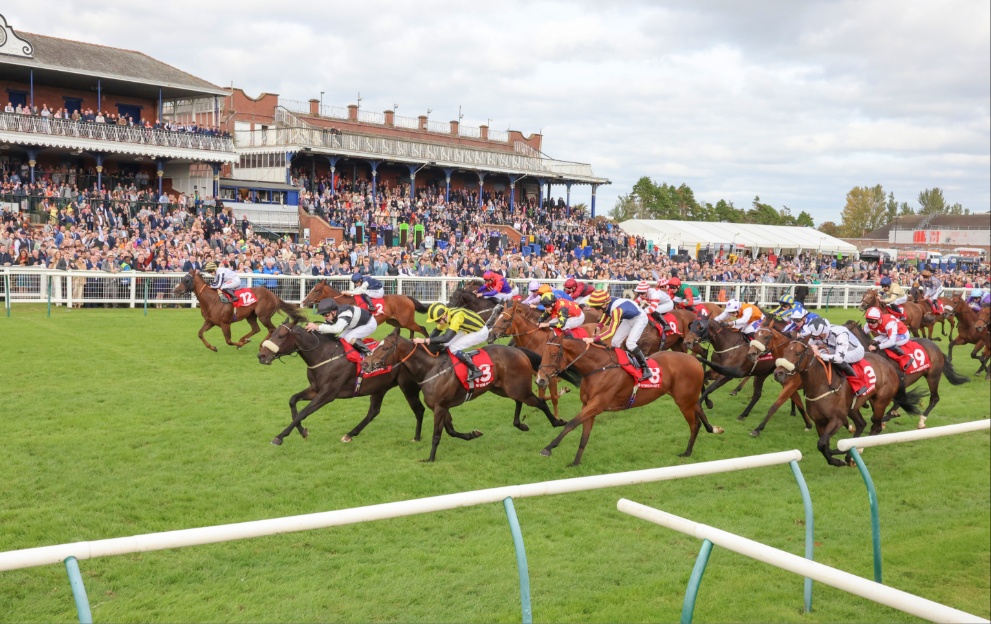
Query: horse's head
505	321
794	360
559	354
956	302
318	292
185	284
982	320
870	299
698	331
285	340
386	354
760	343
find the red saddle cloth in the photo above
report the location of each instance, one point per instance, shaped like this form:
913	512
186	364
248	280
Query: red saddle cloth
936	305
898	315
578	332
914	350
482	361
378	305
353	355
244	297
866	377
655	370
673	327
765	356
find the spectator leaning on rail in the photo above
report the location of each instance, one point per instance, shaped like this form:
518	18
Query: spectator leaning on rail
625	322
349	324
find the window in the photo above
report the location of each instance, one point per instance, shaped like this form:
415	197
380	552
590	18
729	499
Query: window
228	193
129	110
73	104
17	98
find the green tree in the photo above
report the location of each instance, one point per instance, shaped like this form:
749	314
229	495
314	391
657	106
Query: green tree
804	219
627	207
866	209
830	229
932	202
726	211
765	214
904	210
580	209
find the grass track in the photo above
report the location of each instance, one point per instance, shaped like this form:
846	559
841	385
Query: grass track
118	424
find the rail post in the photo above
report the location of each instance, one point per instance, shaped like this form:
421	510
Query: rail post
78	591
521	564
49	278
688	608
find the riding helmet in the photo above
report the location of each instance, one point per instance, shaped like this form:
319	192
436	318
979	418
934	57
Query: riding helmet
674	282
547	299
818	326
787	300
488	275
326	306
570	284
886	281
642	286
436	311
873	315
732	305
357	277
534	285
598	299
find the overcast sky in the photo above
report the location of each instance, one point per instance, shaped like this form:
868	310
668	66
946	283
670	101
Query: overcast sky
796	102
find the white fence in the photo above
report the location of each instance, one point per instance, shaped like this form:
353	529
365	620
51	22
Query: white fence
132	289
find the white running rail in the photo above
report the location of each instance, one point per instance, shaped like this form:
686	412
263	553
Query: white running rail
909	436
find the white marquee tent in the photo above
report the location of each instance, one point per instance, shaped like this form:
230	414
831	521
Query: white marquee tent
719	235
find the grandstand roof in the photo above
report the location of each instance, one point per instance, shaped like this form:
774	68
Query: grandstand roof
687	234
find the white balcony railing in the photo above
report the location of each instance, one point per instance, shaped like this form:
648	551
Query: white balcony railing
30	124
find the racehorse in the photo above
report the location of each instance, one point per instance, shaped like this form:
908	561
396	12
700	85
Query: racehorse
916	296
829	396
396	310
333	376
967	332
606	387
217	313
939	365
769	339
464	297
509	376
768	320
983	327
729	351
918	317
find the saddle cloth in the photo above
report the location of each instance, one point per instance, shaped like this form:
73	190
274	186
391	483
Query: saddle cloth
911	349
378	305
578	332
629	365
866	377
244	297
482	361
352	355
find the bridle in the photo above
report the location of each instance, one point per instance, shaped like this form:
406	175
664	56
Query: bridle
798	364
509	323
294	330
388	350
558	368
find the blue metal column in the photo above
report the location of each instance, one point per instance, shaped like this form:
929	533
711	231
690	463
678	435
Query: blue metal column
159	172
99	96
875	515
567	200
521	564
512	192
216	180
594	187
333	168
159	118
540	192
78	591
375	165
481	181
32	161
447	189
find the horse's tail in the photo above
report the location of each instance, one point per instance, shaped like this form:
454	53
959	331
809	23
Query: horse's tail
909	401
418	305
722	370
952	375
294	312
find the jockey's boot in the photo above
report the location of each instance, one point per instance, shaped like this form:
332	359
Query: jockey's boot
368	302
661	324
911	360
896	309
473	371
229	294
360	346
641	362
845	368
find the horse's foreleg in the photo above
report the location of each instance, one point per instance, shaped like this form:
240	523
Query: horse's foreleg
712	387
411	390
758	391
534	401
206	325
317	400
586	432
785	395
825	435
591	410
739	386
516	418
374	407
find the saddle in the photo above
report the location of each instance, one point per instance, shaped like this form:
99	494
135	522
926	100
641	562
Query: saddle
578	332
482	362
376	307
629	365
865	377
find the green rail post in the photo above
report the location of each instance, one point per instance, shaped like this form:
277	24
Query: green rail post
49	295
688	608
875	517
78	591
809	524
145	282
521	565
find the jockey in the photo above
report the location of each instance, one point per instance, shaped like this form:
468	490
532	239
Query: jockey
226	281
894	296
799	321
534	297
836	344
626	322
560	313
367	287
579	291
457	329
655	301
932	291
495	287
683	296
978	299
786	305
894	333
745	318
346	322
546	288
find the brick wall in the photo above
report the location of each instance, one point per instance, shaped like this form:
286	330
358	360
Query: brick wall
320	230
54	97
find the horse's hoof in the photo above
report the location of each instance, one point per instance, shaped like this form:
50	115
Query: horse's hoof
755	434
346	438
708	404
851	428
560	423
476	433
741	417
717	430
545	452
523	427
732	393
426	461
214	349
277	441
305	433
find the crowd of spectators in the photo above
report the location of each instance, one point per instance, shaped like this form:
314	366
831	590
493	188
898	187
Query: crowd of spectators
88	115
130	228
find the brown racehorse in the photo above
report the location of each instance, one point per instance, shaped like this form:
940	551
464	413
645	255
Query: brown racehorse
829	397
510	377
217	313
464	297
967	332
939	365
332	376
983	345
606	387
918	317
397	310
769	339
916	296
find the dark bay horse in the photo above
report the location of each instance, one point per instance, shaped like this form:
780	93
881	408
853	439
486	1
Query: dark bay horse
464	297
217	313
830	400
769	339
918	316
967	332
397	310
606	387
332	376
510	377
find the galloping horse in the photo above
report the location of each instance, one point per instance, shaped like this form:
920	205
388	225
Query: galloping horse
397	310
983	327
939	365
967	332
464	297
918	316
768	339
333	376
606	387
217	313
916	296
829	397
508	377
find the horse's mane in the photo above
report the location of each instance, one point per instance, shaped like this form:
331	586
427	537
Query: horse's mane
295	313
